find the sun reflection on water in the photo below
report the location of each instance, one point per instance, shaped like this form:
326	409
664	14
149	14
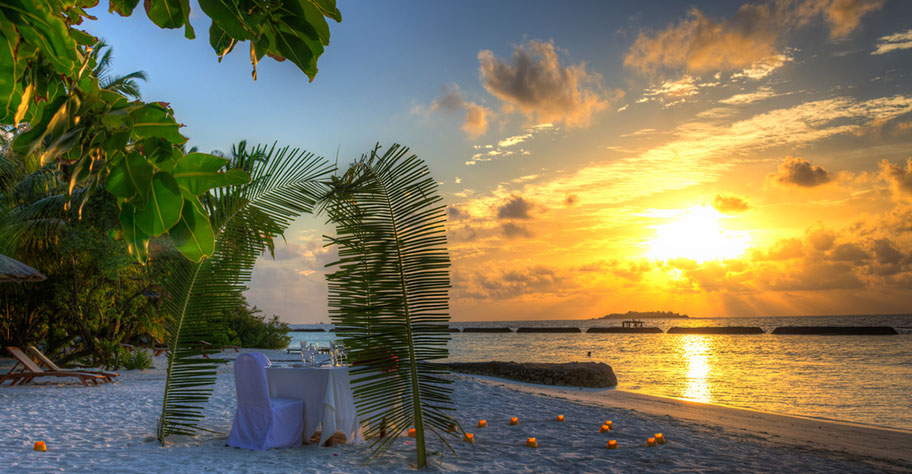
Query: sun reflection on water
695	351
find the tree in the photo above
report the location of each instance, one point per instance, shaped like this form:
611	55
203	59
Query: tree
389	297
132	148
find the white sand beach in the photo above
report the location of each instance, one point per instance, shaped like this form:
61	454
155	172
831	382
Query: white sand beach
111	428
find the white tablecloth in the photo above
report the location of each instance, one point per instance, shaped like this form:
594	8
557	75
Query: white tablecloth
327	396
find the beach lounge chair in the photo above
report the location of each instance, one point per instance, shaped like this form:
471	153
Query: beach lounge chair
31	370
263	422
45	361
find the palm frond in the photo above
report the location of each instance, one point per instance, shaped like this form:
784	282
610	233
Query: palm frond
246	220
389	296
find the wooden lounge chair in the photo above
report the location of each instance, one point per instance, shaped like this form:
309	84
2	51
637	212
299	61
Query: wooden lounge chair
45	361
157	351
30	370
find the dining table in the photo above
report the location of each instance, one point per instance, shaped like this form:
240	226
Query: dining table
327	396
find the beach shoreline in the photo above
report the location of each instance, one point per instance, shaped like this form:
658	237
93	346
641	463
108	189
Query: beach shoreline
882	446
112	428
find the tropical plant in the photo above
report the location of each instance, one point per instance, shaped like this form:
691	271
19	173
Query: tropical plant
48	79
388	297
246	220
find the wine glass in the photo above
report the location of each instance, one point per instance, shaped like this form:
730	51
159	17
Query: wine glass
303	345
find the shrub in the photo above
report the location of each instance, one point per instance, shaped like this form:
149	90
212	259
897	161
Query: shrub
138	359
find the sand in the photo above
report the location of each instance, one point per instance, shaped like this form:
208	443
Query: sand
112	428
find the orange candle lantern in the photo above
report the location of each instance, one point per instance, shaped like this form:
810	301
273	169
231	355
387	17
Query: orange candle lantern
514	420
613	444
660	438
470	438
610	424
411	432
604	429
650	443
40	446
560	417
482	423
532	443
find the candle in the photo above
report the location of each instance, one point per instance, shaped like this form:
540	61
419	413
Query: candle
604	429
650	443
411	432
470	438
40	446
560	417
660	438
613	444
482	423
532	443
610	424
453	428
514	420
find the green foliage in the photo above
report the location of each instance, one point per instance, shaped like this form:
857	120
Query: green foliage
136	359
53	77
389	297
246	327
247	219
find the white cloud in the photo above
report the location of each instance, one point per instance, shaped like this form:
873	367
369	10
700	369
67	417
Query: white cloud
750	97
894	42
764	67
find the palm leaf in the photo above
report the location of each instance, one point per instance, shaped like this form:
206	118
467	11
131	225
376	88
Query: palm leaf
246	220
389	296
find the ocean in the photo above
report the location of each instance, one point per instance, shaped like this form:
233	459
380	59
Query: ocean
857	379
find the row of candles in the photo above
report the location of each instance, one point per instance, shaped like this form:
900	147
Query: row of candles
606	427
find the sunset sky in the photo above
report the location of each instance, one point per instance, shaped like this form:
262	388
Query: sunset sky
709	158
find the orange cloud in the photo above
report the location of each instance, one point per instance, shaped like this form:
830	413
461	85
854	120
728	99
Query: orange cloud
535	82
799	172
729	204
699	43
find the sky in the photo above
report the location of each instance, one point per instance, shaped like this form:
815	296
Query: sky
708	158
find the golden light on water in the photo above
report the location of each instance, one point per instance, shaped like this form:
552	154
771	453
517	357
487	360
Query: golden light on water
696	354
697	234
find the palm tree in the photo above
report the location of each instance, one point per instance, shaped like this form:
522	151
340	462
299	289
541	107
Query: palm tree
388	297
126	85
245	220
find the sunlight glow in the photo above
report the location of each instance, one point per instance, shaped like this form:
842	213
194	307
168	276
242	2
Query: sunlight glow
696	233
695	352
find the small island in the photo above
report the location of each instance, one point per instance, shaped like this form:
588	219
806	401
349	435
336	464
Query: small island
644	315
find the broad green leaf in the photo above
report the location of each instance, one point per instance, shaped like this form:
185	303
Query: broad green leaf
328	7
122	7
27	142
161	153
23	104
193	235
165	13
296	41
200	172
163	208
153	120
131	176
82	37
220	41
306	10
48	31
227	17
137	241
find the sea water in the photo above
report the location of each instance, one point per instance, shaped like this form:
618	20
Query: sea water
859	379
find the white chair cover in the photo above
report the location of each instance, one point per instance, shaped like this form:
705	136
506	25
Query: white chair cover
262	422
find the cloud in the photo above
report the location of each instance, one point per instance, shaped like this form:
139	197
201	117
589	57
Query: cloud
820	239
476	121
894	42
699	43
800	172
455	214
763	67
899	176
571	200
750	97
848	252
452	101
535	82
515	208
516	283
729	204
512	231
492	152
674	92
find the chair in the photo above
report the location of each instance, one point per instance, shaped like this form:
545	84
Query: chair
31	370
262	422
45	361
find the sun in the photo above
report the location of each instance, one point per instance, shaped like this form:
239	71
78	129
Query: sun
697	234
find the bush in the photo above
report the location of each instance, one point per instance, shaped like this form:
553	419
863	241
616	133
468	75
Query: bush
246	327
138	359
